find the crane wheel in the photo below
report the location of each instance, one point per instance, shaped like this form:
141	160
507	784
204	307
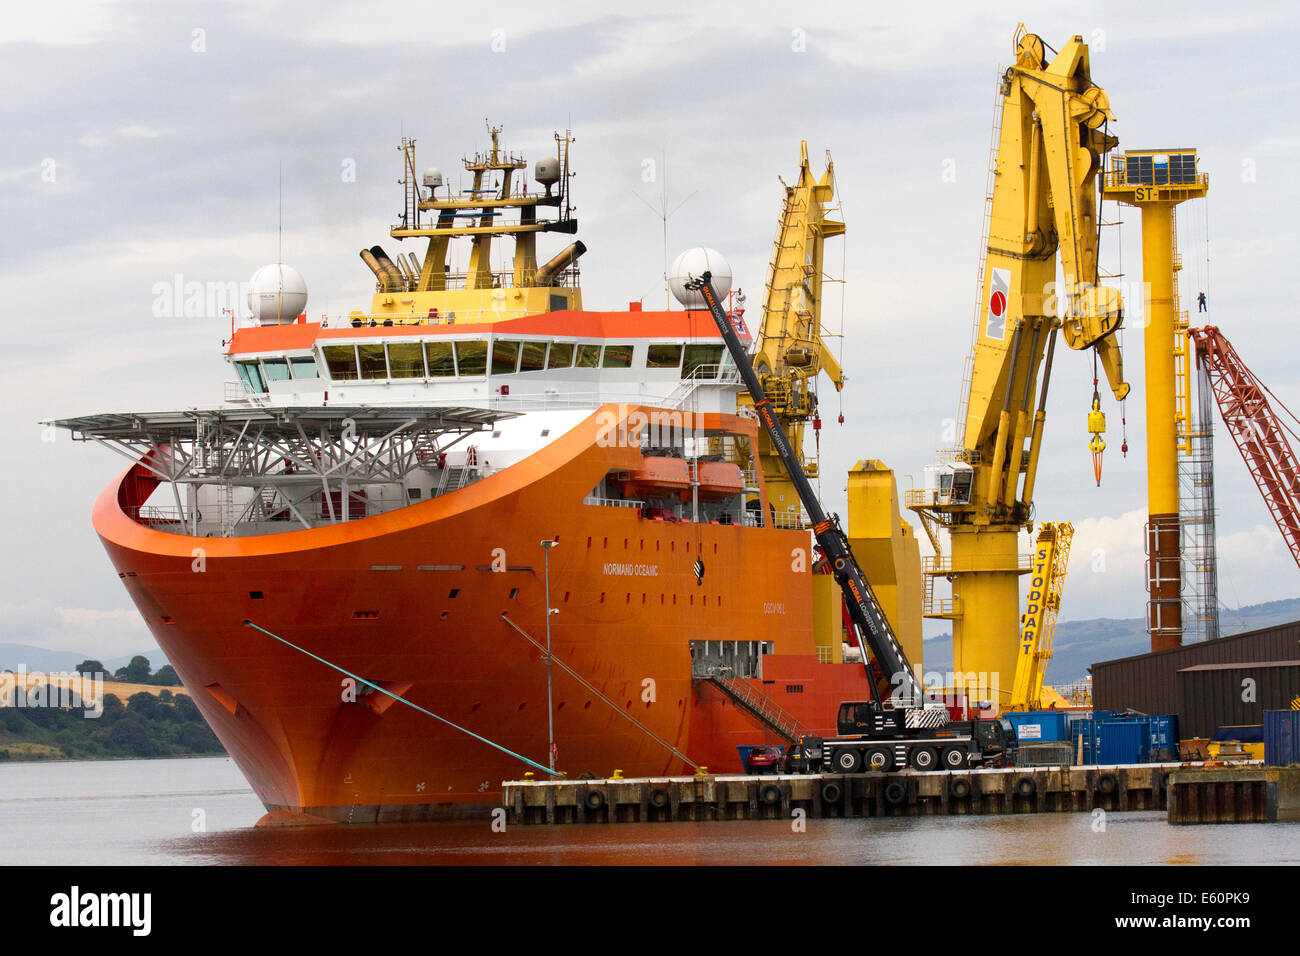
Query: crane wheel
770	795
954	758
895	792
848	761
1026	786
1107	783
959	789
924	758
831	793
880	758
594	800
659	798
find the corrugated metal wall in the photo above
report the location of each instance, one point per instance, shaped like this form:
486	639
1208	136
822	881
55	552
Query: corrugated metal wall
1212	696
1149	682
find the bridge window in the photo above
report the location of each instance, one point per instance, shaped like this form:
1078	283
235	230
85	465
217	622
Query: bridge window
532	356
617	356
304	366
471	357
342	361
698	355
277	369
664	356
372	361
561	355
442	364
505	357
251	376
588	356
406	359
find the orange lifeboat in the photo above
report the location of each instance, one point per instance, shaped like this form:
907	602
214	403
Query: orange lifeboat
658	478
720	479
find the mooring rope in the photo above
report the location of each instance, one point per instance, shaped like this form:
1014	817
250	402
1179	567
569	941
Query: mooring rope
403	700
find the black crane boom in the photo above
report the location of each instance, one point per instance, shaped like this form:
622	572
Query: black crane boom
864	609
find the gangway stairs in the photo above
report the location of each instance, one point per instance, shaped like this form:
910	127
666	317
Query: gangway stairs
758	705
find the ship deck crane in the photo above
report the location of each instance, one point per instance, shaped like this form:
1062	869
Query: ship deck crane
1051	134
791	352
1259	433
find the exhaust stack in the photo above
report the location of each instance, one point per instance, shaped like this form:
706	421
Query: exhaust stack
385	280
385	263
569	255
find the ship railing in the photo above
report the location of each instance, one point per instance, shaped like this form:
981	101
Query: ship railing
614	502
942	564
789	520
362	320
710	374
569	278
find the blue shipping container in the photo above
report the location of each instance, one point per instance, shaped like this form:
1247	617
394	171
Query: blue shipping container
1122	742
1163	729
1281	737
1040	724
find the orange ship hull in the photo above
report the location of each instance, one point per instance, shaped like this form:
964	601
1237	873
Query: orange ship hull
413	600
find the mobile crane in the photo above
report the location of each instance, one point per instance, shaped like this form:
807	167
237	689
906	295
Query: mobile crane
903	728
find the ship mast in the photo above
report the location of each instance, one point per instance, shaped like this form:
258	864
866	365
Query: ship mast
498	203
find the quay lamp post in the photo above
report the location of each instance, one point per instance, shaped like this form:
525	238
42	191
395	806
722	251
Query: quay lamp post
550	707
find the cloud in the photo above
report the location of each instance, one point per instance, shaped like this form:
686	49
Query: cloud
98	632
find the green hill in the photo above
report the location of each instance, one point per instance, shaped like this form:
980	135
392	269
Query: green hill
147	725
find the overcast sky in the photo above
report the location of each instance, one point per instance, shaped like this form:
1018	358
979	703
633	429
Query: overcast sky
145	141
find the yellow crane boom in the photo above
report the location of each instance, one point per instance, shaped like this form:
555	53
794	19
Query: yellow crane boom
791	352
1052	140
1042	605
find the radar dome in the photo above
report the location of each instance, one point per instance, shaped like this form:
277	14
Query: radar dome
691	264
276	294
433	177
547	170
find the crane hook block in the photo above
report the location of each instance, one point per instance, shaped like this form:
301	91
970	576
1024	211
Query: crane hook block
1096	419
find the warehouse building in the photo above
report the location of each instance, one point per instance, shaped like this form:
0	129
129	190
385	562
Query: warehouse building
1232	680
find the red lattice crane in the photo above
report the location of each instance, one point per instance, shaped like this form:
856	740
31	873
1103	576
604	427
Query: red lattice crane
1260	435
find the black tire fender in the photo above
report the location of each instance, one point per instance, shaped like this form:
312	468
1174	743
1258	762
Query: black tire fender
895	792
1026	786
1107	783
831	792
594	800
959	788
659	798
770	794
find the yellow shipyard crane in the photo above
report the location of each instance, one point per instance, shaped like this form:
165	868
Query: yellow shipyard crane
1038	625
791	351
1051	140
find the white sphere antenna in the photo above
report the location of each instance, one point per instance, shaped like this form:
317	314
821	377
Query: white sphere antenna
277	294
693	263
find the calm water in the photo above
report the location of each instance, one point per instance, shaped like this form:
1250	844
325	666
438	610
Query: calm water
143	812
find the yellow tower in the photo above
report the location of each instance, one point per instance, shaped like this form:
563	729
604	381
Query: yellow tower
1155	181
887	550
